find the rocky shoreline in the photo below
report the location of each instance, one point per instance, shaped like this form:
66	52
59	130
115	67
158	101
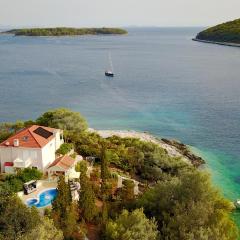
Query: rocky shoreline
218	43
185	151
174	148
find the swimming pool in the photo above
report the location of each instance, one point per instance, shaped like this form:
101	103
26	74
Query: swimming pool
44	199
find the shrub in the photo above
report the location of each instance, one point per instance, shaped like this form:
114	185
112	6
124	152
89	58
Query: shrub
64	149
14	184
81	167
28	174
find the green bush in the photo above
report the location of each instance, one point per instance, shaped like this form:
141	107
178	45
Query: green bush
11	184
28	174
64	149
81	167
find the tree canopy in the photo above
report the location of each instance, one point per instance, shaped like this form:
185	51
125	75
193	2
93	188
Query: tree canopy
226	32
188	207
131	226
45	230
65	119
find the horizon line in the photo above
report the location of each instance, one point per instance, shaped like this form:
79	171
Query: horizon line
128	26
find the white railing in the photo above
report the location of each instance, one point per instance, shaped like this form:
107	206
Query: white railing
19	163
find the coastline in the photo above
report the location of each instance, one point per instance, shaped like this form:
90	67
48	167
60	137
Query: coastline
174	148
218	43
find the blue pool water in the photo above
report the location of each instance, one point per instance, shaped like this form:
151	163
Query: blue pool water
44	199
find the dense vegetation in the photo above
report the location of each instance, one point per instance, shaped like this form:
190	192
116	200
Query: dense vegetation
226	32
17	221
14	182
188	207
176	201
143	159
63	31
131	226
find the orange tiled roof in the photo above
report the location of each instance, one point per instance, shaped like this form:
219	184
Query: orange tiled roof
30	137
64	162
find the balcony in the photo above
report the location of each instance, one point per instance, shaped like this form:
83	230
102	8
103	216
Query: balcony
19	163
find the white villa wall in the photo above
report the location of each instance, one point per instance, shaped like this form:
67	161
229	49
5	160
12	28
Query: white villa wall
9	154
58	140
48	151
48	154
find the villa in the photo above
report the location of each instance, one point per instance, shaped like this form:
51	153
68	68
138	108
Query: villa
34	147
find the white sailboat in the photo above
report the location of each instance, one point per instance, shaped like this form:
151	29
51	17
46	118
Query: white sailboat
109	73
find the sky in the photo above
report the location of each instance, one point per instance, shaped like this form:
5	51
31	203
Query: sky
89	13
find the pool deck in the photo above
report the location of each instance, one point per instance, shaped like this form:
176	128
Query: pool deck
41	186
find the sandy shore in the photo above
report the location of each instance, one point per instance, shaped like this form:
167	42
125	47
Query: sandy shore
172	151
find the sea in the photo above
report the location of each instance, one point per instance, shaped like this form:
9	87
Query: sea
165	84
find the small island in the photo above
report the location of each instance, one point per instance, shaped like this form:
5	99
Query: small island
224	34
64	31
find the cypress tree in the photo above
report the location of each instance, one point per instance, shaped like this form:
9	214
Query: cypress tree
104	163
63	210
87	204
104	176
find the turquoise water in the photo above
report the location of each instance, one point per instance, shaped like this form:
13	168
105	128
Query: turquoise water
165	84
44	199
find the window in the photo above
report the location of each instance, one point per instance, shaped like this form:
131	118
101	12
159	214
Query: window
25	138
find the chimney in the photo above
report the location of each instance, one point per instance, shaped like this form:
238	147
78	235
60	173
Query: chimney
55	132
16	142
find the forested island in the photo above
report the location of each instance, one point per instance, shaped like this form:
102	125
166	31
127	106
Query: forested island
227	34
64	31
174	199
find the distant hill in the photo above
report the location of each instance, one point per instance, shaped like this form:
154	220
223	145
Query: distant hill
62	31
228	32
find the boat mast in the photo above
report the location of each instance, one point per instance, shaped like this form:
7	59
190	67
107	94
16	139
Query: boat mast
110	61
